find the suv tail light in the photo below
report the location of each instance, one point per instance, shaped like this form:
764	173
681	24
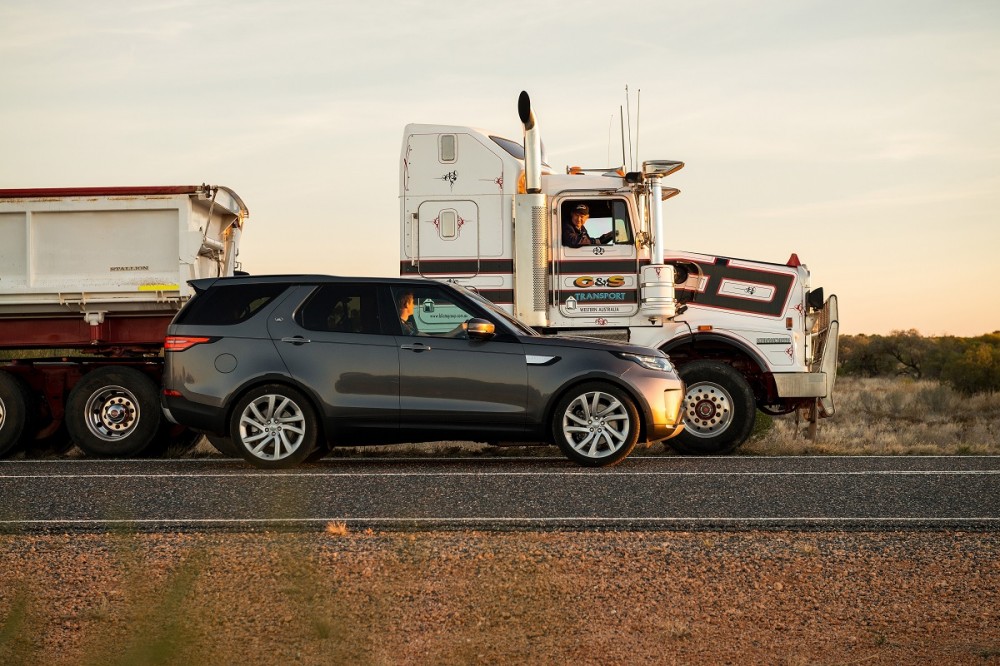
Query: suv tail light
182	342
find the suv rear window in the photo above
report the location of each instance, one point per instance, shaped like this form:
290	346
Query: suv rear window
228	305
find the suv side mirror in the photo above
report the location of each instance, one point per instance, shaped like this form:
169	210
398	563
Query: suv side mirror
480	329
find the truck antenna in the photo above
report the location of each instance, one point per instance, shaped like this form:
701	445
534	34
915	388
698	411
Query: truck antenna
621	117
638	106
629	110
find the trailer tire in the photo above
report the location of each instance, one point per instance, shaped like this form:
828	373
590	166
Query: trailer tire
598	437
15	415
114	413
719	409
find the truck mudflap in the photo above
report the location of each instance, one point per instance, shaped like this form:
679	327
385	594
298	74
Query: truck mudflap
825	336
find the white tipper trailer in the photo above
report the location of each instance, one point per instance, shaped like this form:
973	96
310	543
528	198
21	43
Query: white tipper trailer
486	212
89	280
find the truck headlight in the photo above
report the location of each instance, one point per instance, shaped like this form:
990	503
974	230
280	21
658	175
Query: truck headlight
661	363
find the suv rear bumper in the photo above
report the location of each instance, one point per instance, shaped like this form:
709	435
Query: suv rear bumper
193	415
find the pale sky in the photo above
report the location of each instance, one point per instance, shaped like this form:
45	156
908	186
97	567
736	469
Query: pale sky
863	136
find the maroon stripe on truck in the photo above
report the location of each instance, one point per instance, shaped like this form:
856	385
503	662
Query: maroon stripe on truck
42	192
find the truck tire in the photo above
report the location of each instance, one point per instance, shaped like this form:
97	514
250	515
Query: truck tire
719	409
114	413
596	424
15	416
274	427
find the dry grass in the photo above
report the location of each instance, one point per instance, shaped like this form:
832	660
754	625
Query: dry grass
891	417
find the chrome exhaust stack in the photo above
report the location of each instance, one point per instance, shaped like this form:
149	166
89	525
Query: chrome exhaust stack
532	145
531	228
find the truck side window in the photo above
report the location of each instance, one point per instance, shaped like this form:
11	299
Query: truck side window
605	222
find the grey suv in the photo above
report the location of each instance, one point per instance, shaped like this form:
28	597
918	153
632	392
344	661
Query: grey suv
280	368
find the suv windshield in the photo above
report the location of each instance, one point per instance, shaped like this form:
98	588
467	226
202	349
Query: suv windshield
515	323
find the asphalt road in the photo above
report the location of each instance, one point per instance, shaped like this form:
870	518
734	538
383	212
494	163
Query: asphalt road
504	493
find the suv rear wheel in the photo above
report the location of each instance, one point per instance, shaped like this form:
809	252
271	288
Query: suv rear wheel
274	427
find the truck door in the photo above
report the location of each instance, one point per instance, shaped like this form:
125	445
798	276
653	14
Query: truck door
596	267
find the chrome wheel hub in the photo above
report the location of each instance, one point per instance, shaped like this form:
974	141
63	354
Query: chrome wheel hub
708	409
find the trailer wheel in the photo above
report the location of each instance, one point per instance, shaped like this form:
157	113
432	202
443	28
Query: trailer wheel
15	417
596	424
718	409
274	427
113	412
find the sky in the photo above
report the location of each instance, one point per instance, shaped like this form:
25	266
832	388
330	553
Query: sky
864	136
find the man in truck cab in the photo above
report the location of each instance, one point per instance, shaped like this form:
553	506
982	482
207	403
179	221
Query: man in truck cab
574	233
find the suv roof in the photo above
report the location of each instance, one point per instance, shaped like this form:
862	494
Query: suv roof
203	284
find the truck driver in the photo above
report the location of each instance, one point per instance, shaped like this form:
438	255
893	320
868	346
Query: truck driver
574	233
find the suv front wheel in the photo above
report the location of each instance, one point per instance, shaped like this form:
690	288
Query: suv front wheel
596	424
274	427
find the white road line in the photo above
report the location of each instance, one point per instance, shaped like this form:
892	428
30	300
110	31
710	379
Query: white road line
425	519
584	473
471	458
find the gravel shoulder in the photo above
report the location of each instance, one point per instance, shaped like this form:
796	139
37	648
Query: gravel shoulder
501	597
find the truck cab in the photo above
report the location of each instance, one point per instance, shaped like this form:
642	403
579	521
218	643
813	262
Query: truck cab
489	213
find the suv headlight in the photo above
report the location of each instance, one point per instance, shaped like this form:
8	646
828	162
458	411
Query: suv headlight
661	363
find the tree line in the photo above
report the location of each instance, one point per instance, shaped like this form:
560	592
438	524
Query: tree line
969	365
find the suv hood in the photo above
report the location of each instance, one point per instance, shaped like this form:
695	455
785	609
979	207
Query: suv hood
588	343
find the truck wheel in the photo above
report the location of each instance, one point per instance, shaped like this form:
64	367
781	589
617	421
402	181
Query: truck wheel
223	445
113	412
14	414
274	427
718	409
596	424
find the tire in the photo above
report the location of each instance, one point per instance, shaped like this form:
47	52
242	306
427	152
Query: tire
719	409
274	427
15	415
114	413
223	445
596	424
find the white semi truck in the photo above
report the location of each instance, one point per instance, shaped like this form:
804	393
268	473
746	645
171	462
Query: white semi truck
94	275
486	212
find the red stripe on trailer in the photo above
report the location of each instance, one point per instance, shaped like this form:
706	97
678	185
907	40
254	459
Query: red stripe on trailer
66	332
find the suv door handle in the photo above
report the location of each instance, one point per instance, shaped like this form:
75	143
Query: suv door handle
296	340
418	347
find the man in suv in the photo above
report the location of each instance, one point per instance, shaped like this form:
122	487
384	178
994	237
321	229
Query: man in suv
281	367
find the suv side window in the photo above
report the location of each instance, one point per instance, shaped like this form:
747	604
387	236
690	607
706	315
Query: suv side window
228	304
431	311
341	308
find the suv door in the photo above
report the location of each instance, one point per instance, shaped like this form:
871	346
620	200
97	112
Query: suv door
333	344
448	382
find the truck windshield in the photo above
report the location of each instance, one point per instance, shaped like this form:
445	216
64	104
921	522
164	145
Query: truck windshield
515	149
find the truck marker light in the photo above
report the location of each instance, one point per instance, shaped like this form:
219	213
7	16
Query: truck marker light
788	323
704	328
793	261
182	342
171	393
522	183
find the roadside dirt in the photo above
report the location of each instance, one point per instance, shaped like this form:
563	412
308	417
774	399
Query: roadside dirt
510	597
